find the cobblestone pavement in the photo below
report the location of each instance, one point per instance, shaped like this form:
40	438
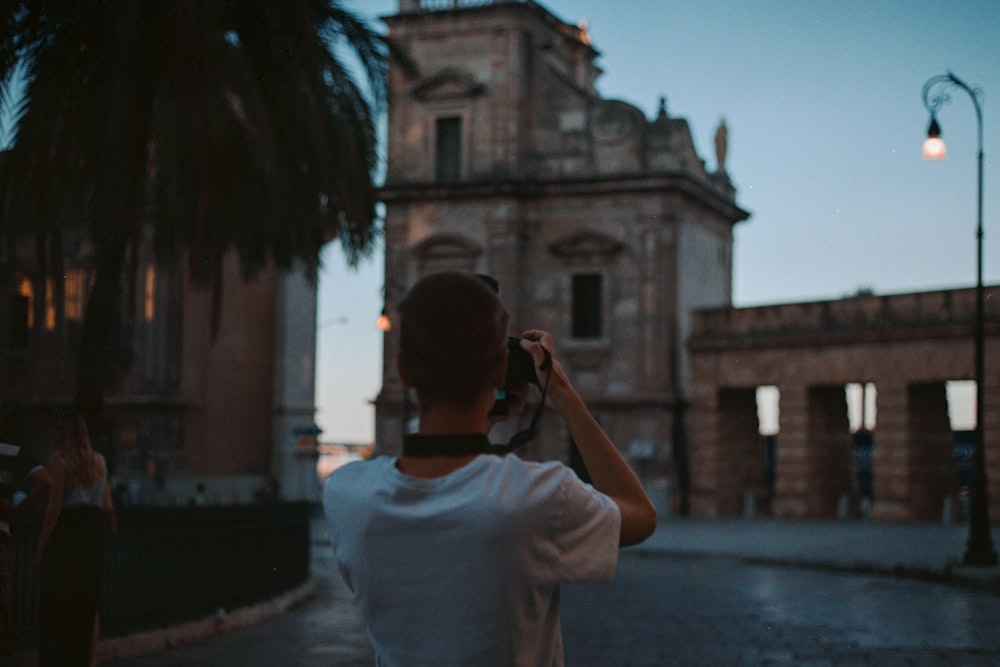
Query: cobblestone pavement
668	610
673	610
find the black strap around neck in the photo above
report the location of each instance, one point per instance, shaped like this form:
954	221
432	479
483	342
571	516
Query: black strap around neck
446	445
477	443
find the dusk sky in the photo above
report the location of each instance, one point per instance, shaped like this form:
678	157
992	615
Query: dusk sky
826	122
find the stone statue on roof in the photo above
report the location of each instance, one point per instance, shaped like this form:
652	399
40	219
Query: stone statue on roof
721	146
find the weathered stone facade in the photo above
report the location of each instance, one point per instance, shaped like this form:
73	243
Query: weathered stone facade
601	226
907	345
226	408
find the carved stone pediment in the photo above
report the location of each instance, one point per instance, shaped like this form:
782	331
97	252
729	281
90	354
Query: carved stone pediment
586	243
448	84
446	246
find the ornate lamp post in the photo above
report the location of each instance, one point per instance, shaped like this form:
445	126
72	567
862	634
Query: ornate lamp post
979	550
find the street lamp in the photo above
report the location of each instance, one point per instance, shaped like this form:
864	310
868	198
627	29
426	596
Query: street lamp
383	322
979	550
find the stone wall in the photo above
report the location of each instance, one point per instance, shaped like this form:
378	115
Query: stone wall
908	345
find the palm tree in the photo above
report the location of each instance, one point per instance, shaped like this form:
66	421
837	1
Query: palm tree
216	126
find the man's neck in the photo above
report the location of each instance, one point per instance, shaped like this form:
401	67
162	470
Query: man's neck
448	420
444	420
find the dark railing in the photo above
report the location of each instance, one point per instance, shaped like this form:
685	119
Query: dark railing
172	564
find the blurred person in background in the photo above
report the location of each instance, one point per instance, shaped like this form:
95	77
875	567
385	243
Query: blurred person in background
70	553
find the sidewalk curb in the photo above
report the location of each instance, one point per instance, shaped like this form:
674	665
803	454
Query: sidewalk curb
985	579
150	641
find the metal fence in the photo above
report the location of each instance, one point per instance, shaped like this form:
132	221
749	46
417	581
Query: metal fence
173	564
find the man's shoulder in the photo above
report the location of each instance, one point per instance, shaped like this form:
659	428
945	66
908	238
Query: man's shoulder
540	479
359	472
363	467
542	469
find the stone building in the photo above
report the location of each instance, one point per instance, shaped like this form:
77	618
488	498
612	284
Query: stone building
600	225
230	411
904	348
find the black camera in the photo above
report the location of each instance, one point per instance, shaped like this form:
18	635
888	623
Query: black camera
520	371
520	364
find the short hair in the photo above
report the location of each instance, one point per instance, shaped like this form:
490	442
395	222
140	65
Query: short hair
452	335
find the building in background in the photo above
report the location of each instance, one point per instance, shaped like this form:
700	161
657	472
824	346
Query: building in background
601	226
234	411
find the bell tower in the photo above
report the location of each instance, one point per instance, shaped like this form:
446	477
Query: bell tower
601	225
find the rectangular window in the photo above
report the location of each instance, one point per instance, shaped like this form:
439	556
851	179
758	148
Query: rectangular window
586	306
149	296
26	290
50	304
75	283
448	165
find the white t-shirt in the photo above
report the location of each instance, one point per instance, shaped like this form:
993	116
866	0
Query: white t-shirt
465	569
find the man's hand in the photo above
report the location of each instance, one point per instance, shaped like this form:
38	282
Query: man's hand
538	344
516	399
609	472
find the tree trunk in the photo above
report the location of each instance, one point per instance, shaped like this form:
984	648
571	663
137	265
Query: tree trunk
99	359
105	346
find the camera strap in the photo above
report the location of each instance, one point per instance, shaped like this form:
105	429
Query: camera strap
464	445
446	445
522	438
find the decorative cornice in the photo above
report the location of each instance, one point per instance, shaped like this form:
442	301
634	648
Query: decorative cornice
448	84
586	243
440	246
858	320
584	186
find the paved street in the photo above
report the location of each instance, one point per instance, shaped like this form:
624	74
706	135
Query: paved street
665	609
325	632
669	610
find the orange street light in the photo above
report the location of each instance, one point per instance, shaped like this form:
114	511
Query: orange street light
934	148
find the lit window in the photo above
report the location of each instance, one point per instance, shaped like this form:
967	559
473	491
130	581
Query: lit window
74	295
149	301
27	292
50	304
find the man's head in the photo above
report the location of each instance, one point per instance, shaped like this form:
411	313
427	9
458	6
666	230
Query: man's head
452	339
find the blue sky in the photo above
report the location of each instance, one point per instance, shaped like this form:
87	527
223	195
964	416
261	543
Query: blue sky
823	104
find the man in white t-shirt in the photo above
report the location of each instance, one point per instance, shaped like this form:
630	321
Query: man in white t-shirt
455	554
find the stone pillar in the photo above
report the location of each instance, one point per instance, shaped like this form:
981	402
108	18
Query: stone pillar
740	465
814	457
830	453
792	471
931	458
293	396
391	407
656	303
705	442
891	462
991	419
